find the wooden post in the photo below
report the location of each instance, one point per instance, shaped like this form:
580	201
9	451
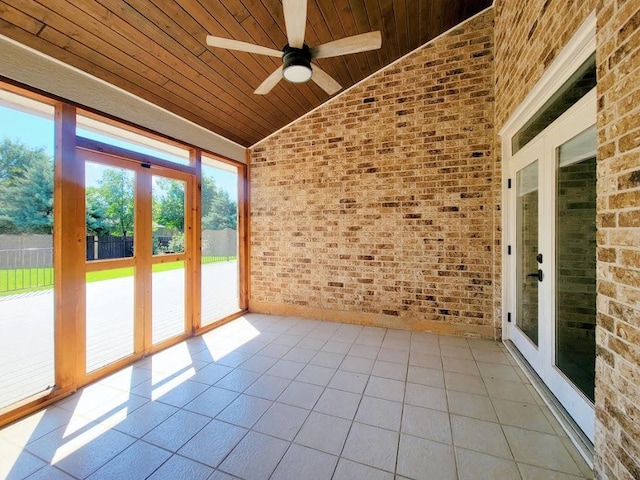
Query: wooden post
194	260
69	252
244	239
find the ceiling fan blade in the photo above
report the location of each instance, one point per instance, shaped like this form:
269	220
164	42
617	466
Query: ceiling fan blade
221	42
270	82
295	19
324	80
344	46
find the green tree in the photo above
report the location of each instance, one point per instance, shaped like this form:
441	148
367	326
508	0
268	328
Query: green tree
16	158
169	204
115	192
218	210
26	188
97	220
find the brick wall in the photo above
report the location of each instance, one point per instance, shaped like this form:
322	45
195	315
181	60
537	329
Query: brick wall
529	34
381	206
618	331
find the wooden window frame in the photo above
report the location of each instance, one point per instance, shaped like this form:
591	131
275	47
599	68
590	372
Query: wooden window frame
69	248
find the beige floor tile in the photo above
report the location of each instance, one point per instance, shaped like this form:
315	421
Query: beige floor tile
395	371
425	396
300	394
213	443
422	459
372	446
338	403
585	469
348	470
244	411
324	432
540	449
385	388
380	413
480	436
496	370
460	365
181	468
462	382
490	356
480	466
282	421
16	463
302	462
425	376
470	405
349	381
357	364
393	355
316	375
177	430
506	390
529	472
456	352
523	415
255	457
425	423
137	462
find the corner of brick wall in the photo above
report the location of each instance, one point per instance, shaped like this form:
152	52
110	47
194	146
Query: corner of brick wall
382	203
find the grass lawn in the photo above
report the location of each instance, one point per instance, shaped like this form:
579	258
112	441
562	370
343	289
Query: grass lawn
23	280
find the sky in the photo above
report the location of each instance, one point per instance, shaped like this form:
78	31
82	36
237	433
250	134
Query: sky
37	131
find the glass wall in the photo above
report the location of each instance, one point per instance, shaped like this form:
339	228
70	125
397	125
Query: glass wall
26	248
220	267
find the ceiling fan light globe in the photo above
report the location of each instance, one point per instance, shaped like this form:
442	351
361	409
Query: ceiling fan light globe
297	73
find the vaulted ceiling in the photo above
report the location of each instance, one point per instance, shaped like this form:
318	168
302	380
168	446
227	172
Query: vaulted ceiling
157	50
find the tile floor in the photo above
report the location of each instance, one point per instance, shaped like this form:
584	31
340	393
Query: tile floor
268	397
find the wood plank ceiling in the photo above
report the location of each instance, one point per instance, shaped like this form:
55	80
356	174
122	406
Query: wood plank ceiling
157	50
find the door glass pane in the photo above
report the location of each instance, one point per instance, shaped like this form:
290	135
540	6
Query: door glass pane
26	248
527	250
110	210
576	260
168	305
168	215
168	278
110	316
220	274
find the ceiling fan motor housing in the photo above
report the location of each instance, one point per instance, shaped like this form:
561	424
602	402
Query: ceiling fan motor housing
297	63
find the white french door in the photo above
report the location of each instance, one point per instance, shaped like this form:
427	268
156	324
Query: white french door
550	271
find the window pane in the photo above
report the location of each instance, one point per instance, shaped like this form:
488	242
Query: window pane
168	215
26	248
120	137
576	261
110	316
220	274
110	207
527	250
573	90
168	305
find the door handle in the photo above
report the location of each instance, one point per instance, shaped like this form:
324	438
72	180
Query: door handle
537	274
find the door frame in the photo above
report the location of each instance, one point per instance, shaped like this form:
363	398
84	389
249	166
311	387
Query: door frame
542	358
145	168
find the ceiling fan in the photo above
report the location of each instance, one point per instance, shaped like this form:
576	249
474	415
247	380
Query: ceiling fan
296	55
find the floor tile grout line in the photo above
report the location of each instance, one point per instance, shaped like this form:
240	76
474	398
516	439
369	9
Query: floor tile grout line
351	427
500	423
